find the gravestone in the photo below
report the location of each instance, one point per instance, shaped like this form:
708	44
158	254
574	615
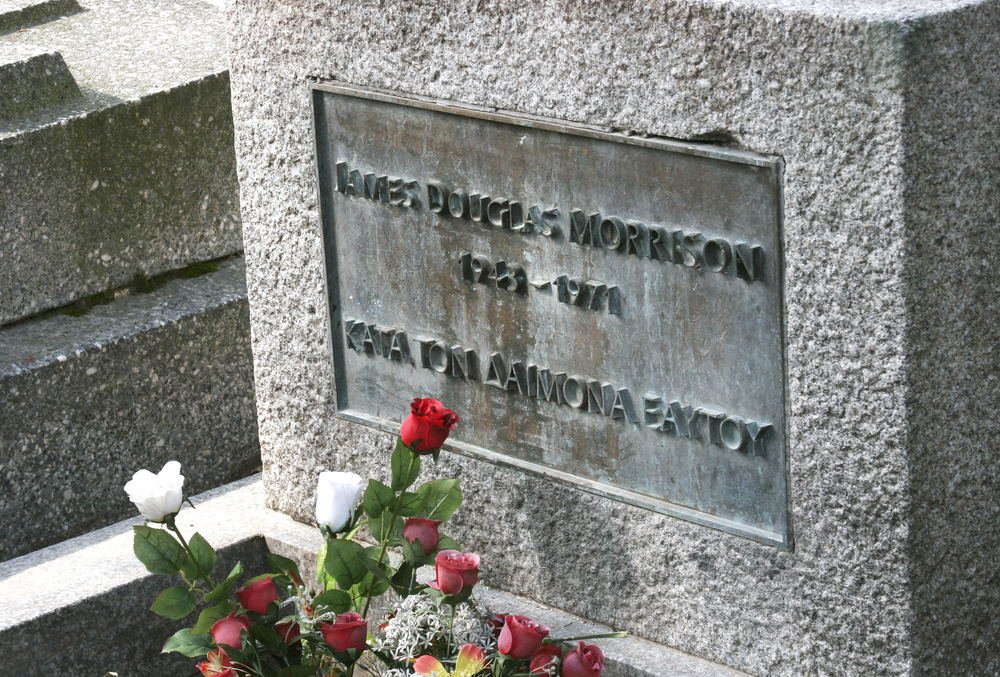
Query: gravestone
711	286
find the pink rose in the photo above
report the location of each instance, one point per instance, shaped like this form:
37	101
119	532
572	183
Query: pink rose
423	530
586	660
521	637
257	595
348	631
455	571
228	631
427	426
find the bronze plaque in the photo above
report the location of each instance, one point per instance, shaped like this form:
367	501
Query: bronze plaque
601	309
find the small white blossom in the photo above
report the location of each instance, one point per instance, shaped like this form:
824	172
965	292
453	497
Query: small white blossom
337	495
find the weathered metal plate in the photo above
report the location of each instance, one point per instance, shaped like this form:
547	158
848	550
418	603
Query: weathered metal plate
637	354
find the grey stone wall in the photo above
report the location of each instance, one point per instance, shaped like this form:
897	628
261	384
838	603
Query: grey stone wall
842	93
952	186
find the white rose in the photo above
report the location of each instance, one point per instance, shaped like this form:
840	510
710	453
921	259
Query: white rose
337	494
157	496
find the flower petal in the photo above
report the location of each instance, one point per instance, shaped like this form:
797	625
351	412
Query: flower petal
428	665
471	660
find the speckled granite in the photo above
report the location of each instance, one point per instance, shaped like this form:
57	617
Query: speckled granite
33	78
136	176
89	400
884	114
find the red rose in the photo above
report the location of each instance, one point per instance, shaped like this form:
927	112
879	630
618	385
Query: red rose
349	631
546	660
427	426
586	660
217	665
257	595
496	623
227	631
455	571
423	530
521	637
289	631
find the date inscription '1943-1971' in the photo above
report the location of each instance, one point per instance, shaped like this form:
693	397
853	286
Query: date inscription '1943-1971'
605	310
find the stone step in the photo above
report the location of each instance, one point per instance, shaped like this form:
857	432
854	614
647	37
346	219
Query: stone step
128	384
19	14
89	598
33	78
136	175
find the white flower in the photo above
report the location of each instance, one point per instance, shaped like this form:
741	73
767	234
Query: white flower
337	494
157	496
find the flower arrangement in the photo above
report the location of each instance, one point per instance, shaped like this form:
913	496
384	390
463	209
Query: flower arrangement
274	625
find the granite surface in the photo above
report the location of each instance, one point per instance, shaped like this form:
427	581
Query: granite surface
133	177
870	105
90	399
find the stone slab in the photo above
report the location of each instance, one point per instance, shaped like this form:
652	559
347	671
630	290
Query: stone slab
33	78
19	14
131	384
884	115
135	177
93	623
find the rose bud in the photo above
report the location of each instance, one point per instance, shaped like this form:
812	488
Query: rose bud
521	637
337	495
427	426
217	665
586	660
227	631
288	632
157	496
348	631
496	623
255	596
455	571
546	660
423	530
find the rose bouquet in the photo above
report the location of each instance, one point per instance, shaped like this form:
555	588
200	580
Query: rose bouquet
376	538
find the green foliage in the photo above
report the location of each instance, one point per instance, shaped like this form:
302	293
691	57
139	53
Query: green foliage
378	498
286	566
405	466
344	561
222	590
439	499
158	550
208	617
336	601
188	643
203	554
174	603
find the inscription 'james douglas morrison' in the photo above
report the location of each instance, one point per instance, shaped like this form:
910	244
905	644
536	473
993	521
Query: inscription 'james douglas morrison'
577	392
588	229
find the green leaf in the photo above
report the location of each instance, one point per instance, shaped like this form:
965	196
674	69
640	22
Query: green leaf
204	555
385	530
269	638
208	617
409	504
405	466
222	590
378	498
325	580
285	566
447	543
158	550
174	603
188	643
337	601
439	499
413	554
344	562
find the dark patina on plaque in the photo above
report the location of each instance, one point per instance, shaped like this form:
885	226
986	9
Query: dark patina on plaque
601	309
